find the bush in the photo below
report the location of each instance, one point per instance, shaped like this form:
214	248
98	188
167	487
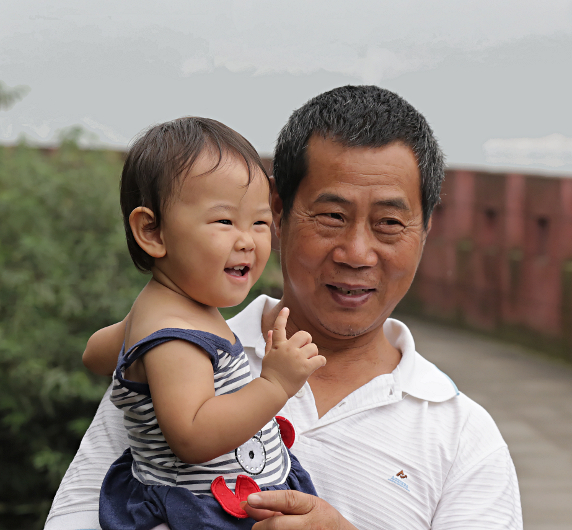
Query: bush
64	273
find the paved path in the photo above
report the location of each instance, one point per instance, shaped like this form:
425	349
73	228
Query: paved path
530	398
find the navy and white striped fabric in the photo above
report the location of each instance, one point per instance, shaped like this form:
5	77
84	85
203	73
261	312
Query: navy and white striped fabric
153	461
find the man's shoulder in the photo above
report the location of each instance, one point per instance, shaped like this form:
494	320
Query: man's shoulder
477	435
247	323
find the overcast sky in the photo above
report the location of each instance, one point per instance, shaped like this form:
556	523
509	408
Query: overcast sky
493	78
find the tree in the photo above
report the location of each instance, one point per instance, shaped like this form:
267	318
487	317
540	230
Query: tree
64	273
10	95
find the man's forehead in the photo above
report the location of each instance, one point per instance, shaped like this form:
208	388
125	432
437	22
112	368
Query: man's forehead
329	160
326	152
384	177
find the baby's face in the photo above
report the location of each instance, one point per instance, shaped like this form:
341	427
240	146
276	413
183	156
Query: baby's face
216	232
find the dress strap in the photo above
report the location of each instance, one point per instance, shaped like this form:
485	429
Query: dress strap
209	342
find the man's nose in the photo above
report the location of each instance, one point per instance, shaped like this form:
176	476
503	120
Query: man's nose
356	248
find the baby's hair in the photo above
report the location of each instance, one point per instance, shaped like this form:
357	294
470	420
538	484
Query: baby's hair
158	158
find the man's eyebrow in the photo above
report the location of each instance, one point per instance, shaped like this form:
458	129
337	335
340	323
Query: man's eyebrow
331	197
396	202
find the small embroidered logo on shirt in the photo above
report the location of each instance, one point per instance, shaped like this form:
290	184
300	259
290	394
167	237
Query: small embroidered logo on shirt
400	482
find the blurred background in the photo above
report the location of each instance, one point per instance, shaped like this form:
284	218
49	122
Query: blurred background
492	301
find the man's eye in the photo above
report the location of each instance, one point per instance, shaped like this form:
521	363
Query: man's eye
335	216
390	225
225	221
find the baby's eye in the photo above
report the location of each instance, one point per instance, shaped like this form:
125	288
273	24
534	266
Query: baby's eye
262	223
225	221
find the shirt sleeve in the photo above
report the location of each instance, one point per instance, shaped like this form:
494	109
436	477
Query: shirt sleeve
484	497
104	442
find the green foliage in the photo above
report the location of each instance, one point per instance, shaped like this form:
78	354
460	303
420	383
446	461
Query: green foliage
9	96
64	273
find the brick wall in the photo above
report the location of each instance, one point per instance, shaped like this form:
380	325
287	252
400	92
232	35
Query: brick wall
499	258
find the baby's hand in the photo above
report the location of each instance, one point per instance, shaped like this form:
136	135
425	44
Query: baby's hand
289	362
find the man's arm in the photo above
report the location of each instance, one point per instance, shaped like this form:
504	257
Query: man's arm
76	503
103	347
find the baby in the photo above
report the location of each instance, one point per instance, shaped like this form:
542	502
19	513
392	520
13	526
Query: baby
194	196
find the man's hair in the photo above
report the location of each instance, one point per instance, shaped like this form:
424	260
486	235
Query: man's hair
158	159
358	116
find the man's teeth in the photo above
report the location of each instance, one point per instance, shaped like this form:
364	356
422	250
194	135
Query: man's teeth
352	291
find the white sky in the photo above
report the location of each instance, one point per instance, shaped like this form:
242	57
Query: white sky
481	71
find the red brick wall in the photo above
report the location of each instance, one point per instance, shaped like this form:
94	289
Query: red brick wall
499	257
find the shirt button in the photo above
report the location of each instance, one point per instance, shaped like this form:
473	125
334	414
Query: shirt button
300	393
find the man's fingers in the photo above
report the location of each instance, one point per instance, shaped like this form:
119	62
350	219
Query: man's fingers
289	522
279	329
288	502
256	514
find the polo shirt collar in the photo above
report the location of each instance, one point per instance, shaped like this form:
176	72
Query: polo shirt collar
248	323
414	375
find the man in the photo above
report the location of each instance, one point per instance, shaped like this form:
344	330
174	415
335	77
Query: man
388	439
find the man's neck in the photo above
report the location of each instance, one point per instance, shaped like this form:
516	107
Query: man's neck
352	361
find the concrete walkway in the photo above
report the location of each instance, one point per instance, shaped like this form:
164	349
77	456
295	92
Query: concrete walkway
530	398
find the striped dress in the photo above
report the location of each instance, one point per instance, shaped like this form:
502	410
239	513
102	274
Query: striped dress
264	457
149	485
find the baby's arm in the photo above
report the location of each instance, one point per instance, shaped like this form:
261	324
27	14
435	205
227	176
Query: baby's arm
200	426
103	347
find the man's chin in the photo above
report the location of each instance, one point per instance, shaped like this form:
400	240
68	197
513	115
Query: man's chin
343	328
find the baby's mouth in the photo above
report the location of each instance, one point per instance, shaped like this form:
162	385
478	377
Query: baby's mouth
239	270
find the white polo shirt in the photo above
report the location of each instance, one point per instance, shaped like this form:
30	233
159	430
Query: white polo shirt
404	451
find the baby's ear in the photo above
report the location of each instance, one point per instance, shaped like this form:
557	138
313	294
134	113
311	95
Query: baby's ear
142	223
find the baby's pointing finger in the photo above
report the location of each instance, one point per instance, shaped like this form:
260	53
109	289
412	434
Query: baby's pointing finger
279	329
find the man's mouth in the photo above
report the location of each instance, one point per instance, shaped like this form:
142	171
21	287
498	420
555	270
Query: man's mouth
238	270
349	292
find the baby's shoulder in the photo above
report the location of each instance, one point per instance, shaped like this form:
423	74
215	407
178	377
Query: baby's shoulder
157	308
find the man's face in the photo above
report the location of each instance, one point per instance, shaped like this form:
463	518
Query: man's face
353	239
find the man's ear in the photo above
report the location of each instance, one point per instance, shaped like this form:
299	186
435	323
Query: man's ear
427	230
276	206
142	221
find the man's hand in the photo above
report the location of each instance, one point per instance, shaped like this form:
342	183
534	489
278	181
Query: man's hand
297	511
